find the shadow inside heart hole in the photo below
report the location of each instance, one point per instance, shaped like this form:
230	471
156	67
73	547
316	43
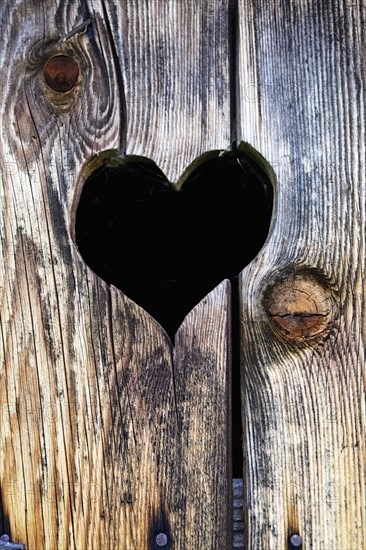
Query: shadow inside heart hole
168	248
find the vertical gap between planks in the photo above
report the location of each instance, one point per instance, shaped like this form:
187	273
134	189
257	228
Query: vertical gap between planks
233	47
236	429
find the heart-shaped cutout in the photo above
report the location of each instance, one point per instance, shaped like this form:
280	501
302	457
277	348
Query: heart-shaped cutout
168	246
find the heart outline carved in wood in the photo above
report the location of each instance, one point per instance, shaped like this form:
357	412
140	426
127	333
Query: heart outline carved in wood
166	246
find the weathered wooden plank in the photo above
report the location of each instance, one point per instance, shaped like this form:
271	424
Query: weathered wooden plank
301	103
176	73
202	353
181	421
104	442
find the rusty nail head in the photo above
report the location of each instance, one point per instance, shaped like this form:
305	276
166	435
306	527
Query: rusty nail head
61	73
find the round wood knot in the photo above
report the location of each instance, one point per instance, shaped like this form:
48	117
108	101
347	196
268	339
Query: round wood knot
61	73
301	306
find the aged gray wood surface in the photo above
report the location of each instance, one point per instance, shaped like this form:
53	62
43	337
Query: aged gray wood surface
301	102
108	435
106	439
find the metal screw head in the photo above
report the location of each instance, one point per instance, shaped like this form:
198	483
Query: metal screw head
161	539
295	541
61	73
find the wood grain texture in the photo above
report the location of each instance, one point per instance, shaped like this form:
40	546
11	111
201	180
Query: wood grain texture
105	441
174	57
202	352
301	103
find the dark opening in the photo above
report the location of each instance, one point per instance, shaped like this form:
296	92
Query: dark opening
167	249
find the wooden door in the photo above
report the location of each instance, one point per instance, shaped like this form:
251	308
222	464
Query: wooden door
111	436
